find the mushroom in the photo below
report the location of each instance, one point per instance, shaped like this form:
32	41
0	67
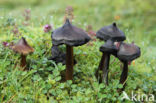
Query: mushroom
113	34
24	49
107	49
57	55
70	36
127	53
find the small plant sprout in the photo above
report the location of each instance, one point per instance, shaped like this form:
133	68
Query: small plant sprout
23	48
27	16
70	36
69	13
109	34
90	31
47	28
5	44
15	31
127	53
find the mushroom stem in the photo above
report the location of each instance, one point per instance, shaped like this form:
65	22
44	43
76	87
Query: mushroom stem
69	62
23	61
106	69
124	73
101	65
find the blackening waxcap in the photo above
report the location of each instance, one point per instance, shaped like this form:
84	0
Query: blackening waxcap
110	32
128	52
108	47
70	35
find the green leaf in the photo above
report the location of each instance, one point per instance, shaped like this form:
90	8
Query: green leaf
58	78
120	86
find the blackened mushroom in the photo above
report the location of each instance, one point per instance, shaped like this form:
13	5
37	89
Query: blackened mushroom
70	36
57	55
24	49
107	49
113	34
127	53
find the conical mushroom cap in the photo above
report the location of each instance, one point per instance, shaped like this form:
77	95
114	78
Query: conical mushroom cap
69	35
110	32
22	47
128	52
108	47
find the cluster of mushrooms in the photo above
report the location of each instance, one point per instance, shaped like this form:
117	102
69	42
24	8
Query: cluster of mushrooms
73	36
115	46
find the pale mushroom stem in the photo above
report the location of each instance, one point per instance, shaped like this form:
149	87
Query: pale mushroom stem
101	65
23	61
69	62
124	74
106	69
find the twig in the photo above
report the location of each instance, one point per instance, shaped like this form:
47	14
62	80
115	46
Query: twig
11	98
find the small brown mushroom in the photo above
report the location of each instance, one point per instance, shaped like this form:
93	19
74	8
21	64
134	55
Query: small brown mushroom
23	48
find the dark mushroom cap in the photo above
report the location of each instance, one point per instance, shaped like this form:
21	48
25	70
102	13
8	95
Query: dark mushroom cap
22	47
69	35
110	32
108	47
128	52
